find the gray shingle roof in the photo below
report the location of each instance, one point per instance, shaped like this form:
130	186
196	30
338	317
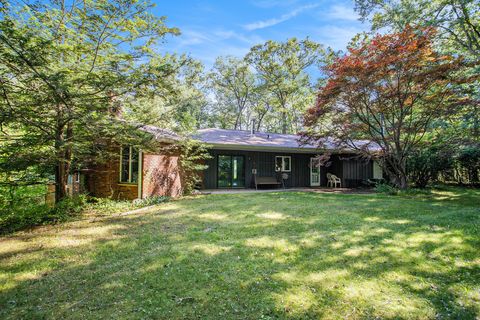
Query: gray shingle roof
163	135
246	139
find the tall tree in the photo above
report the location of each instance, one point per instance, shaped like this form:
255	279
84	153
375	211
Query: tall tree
388	91
281	67
63	64
234	85
458	25
175	101
457	21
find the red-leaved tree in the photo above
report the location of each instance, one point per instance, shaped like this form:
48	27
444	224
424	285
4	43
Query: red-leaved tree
381	97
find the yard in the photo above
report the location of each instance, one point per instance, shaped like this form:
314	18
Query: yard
255	256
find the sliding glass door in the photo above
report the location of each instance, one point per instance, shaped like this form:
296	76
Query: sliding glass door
231	171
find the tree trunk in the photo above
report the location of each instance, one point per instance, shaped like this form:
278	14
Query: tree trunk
62	166
396	170
284	122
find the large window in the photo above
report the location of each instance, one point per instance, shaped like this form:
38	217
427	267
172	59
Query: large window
231	171
129	165
283	163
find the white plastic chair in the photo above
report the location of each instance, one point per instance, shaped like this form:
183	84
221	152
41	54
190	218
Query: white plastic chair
333	180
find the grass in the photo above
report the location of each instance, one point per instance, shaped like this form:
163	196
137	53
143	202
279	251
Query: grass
255	256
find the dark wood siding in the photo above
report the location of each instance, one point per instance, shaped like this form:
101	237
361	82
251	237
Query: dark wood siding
355	172
299	176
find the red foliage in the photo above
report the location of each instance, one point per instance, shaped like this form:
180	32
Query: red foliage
386	90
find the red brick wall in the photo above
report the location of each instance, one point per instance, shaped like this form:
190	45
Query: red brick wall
102	181
161	176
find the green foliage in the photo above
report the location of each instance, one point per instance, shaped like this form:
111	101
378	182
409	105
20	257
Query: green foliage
235	86
192	162
150	201
426	162
27	208
386	188
65	68
175	100
469	160
28	213
281	69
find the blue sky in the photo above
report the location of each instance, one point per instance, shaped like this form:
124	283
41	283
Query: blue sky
211	28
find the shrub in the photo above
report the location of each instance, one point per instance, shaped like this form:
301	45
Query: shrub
386	189
29	214
426	162
150	201
469	159
32	214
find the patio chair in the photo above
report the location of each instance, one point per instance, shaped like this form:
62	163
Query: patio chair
333	180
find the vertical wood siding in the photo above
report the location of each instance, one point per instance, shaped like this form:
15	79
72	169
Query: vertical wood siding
299	176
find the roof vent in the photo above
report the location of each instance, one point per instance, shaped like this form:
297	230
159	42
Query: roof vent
252	128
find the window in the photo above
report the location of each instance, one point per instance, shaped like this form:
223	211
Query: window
128	165
77	177
283	163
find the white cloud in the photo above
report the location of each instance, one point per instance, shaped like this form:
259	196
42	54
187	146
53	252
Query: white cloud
336	37
274	21
341	12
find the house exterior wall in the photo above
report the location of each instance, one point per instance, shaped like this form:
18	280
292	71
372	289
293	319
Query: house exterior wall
102	181
352	172
161	176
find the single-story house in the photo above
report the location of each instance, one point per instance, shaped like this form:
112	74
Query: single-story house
239	159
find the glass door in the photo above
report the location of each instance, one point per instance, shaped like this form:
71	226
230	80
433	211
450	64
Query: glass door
231	171
314	173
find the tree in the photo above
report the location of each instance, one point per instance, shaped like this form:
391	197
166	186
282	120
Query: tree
386	91
458	25
63	65
234	85
458	21
176	101
281	70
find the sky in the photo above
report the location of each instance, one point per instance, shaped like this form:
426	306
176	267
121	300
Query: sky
212	28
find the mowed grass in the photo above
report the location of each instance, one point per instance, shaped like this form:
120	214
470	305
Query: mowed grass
255	256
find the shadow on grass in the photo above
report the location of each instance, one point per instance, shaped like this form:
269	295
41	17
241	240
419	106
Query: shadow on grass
285	255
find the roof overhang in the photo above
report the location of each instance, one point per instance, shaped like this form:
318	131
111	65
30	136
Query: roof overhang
221	146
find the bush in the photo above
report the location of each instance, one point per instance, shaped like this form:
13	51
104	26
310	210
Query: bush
469	159
426	162
27	215
30	213
386	189
150	201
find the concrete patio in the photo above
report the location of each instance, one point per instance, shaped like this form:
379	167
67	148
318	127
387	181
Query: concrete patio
318	190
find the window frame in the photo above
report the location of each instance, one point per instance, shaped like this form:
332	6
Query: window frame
130	162
282	169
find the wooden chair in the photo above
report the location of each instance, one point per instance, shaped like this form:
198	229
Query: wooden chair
333	180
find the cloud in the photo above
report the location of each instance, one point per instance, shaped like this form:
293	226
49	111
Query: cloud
335	36
341	12
274	21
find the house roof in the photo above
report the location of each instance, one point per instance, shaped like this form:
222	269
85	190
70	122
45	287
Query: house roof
162	135
242	139
245	140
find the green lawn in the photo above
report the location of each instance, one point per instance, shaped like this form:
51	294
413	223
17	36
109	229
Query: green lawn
255	256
